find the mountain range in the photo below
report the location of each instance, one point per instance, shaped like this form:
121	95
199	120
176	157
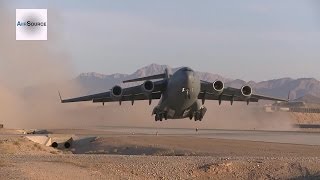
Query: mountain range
306	89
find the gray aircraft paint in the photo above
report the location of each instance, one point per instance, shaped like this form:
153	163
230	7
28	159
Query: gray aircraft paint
175	98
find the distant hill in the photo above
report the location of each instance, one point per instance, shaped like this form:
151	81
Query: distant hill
299	88
308	98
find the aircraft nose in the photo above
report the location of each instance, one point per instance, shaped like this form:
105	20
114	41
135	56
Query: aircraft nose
188	77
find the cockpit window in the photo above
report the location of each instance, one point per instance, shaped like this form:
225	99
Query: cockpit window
186	69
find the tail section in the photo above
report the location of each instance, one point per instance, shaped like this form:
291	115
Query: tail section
289	96
165	75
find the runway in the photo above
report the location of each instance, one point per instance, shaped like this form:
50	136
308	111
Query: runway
290	137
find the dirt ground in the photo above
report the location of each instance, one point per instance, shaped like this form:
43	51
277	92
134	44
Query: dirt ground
155	167
158	157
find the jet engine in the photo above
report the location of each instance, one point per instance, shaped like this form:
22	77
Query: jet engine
147	87
218	87
246	91
116	92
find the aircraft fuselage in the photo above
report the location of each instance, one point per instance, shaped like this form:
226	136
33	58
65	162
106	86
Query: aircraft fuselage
180	100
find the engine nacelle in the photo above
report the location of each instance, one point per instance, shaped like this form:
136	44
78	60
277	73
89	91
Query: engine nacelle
147	87
116	92
246	91
218	86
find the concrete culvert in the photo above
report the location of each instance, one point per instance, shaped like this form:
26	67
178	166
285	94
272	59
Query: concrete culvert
54	144
67	145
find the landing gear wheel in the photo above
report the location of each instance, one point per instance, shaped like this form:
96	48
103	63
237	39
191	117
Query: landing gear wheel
160	116
197	116
165	116
156	117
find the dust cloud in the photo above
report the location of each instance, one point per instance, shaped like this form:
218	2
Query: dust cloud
31	72
238	116
241	116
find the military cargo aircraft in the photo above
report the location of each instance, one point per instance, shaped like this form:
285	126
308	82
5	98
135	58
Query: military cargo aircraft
179	94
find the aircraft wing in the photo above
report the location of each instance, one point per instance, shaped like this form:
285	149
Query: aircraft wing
232	94
223	97
154	95
236	92
128	94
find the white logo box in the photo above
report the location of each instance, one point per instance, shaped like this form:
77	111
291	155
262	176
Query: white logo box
31	24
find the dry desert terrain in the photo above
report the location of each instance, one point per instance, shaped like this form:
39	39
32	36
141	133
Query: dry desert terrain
157	157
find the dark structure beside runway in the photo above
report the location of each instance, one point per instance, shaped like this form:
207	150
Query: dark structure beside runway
293	106
308	126
305	110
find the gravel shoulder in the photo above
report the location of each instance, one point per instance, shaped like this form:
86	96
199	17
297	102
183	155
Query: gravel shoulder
156	167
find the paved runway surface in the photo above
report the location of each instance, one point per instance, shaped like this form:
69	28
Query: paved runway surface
292	137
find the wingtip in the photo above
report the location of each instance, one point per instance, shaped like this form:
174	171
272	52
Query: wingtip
60	96
289	96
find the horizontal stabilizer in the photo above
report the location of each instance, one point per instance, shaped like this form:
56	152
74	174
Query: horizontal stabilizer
158	76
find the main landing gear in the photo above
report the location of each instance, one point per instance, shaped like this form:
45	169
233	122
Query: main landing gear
198	115
160	116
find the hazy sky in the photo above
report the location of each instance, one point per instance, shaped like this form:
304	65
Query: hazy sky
251	40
